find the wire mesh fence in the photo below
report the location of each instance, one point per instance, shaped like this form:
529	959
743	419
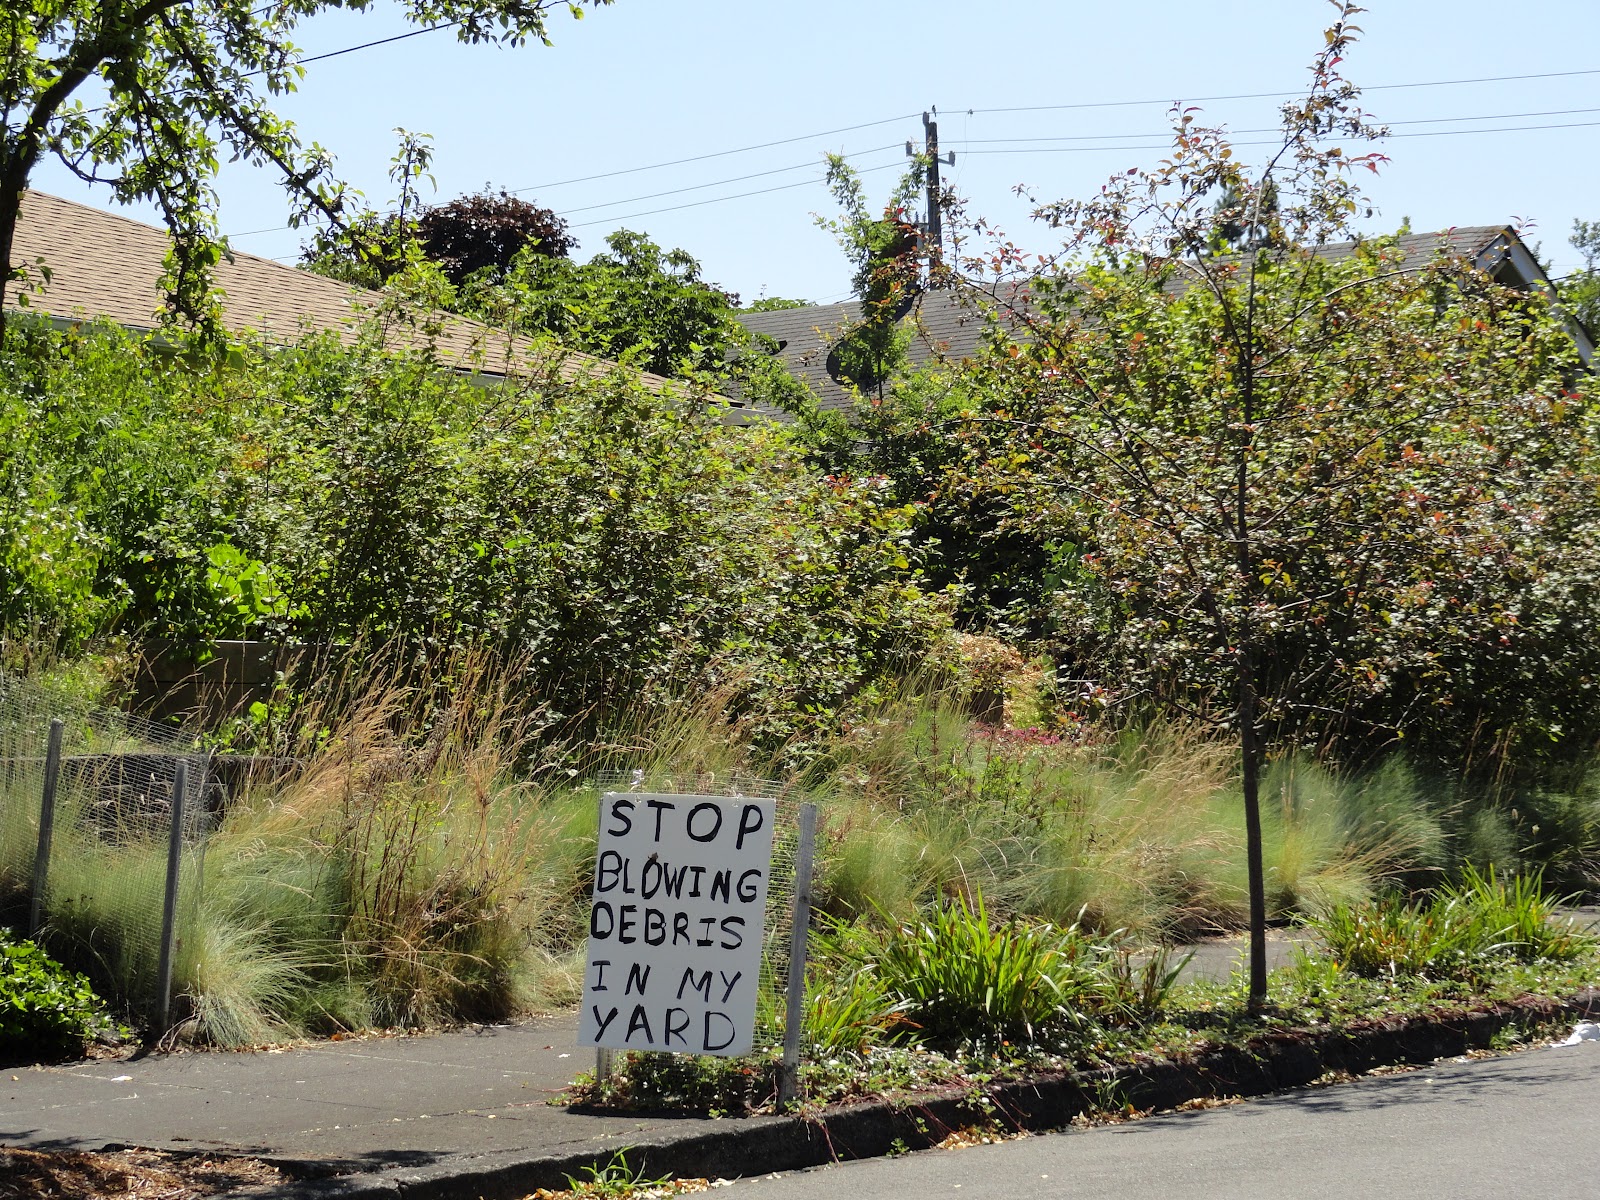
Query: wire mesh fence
781	879
97	841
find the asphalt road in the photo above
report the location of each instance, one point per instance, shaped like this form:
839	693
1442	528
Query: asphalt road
1527	1125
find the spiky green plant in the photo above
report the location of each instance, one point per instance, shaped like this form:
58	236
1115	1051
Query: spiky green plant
1457	933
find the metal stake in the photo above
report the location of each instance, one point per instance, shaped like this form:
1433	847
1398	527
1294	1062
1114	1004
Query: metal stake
47	826
169	903
794	1011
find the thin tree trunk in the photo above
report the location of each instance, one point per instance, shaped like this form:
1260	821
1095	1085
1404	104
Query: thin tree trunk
10	206
1250	753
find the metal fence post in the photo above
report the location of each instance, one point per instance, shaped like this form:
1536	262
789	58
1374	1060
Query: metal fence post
169	903
794	1012
47	826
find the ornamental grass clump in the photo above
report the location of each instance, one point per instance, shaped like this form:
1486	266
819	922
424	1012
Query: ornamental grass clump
410	873
419	880
1137	830
1460	933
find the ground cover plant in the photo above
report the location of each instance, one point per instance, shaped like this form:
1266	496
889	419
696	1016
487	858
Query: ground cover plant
46	1011
954	976
1457	932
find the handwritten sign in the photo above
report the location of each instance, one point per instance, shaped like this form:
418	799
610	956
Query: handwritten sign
680	893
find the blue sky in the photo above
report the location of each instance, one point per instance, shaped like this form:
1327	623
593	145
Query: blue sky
645	82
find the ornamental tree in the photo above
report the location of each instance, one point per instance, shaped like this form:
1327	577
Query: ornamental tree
1313	496
145	96
481	231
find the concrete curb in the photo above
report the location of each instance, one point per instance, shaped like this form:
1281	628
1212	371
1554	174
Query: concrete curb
759	1145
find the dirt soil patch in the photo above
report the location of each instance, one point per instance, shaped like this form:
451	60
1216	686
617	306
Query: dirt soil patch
142	1174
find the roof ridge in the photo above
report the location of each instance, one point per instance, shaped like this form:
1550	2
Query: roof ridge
86	279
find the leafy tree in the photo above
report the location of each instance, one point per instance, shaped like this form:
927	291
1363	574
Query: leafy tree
888	274
628	547
106	436
1581	290
486	232
176	84
369	248
1245	223
504	262
775	304
997	572
483	231
633	301
899	426
1310	496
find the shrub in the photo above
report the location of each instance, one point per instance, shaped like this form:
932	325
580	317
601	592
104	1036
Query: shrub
626	543
46	1011
106	436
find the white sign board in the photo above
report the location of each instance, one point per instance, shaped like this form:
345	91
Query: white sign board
680	897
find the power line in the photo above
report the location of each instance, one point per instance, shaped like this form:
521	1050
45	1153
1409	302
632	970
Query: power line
1018	150
1034	108
1030	108
1073	138
399	37
1379	87
1098	137
1274	142
1050	150
678	162
1504	129
992	141
720	182
670	192
782	187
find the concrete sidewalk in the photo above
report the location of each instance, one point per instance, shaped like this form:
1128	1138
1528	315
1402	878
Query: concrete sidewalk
365	1104
355	1104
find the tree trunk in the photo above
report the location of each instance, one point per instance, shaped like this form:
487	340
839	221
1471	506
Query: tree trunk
1250	754
10	206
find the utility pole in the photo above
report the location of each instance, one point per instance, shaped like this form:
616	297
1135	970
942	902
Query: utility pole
934	229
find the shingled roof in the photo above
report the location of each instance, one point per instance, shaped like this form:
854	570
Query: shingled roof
949	324
105	265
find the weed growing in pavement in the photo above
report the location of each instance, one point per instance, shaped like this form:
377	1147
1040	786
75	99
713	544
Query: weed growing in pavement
614	1181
